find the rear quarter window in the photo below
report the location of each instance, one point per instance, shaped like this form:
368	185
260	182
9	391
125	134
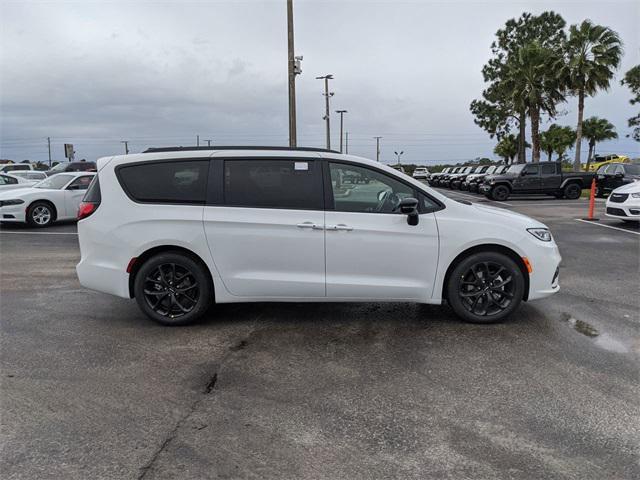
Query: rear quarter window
182	182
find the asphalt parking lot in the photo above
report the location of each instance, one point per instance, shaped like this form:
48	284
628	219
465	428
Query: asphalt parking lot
92	389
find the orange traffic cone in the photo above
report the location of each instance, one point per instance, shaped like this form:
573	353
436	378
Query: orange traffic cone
592	202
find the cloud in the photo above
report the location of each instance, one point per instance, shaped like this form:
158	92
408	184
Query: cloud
159	73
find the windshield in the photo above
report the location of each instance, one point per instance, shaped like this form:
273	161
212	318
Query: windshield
59	167
516	168
55	182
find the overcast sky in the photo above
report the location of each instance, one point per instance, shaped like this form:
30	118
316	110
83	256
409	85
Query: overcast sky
158	73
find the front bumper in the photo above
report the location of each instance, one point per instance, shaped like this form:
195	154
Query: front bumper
544	278
484	188
628	210
13	213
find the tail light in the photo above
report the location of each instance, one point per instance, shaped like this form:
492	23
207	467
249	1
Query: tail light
91	200
86	208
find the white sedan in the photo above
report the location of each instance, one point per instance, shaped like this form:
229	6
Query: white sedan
13	182
624	203
56	198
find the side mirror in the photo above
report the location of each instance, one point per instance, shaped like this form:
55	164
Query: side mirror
409	206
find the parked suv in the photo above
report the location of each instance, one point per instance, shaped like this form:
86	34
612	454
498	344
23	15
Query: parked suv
614	175
81	166
542	177
180	228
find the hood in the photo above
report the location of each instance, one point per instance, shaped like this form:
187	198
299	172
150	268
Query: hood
633	187
20	192
525	221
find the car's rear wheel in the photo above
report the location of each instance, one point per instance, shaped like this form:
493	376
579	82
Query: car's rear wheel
572	191
173	289
485	287
40	214
500	193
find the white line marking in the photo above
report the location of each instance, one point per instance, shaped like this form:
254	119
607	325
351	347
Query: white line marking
473	197
607	226
38	233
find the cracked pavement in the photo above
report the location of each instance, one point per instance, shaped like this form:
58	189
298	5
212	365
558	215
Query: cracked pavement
92	389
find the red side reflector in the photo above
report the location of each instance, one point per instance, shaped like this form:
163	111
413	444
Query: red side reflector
86	208
132	262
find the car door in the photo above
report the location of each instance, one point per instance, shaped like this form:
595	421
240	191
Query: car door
371	250
73	194
528	180
550	178
264	224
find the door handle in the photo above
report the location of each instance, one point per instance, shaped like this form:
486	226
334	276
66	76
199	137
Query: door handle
311	225
340	226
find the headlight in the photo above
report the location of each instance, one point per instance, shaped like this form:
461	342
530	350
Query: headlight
540	233
4	203
635	195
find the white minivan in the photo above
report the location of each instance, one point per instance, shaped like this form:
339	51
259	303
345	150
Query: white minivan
180	228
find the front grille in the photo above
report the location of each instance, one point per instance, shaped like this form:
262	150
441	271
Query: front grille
619	197
616	211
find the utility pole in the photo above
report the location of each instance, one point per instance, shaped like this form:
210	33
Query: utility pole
49	145
341	112
208	143
293	69
399	155
377	148
197	140
126	146
346	142
326	117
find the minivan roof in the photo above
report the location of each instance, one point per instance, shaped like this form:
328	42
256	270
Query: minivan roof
229	147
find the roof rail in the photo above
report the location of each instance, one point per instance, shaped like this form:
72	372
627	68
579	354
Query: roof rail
229	147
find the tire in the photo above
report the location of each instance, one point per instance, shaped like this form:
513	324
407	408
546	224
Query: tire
500	193
40	214
477	302
572	191
171	302
599	192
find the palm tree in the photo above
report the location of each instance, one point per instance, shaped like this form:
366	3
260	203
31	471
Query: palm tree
596	130
557	140
507	148
592	55
535	86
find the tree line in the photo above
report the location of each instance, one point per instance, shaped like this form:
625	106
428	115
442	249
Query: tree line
537	65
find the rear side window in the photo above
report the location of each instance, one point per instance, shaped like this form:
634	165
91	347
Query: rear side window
288	184
93	194
548	169
166	182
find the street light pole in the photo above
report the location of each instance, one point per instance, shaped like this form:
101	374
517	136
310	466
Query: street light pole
293	69
399	155
377	148
126	147
346	142
208	143
49	145
326	117
341	112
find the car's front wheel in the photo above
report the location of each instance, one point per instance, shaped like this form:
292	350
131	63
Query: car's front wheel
173	289
485	287
40	214
500	193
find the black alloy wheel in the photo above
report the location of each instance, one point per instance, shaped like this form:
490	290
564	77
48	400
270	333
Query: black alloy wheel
500	193
572	191
485	287
173	289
